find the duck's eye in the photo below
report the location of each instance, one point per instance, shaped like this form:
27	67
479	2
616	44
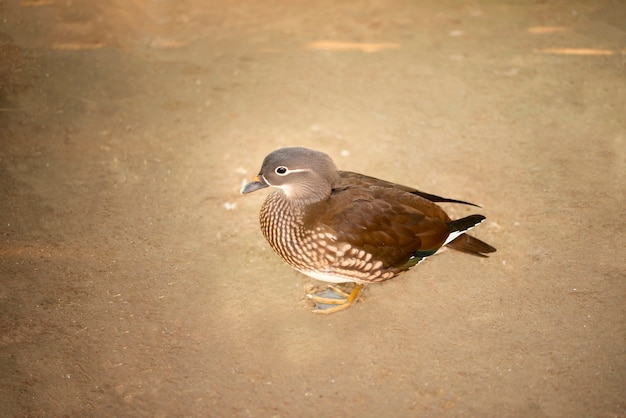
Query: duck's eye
281	170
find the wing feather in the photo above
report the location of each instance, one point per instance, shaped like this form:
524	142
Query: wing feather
392	232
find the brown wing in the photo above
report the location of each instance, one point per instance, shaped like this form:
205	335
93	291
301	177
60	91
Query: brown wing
393	233
424	204
350	178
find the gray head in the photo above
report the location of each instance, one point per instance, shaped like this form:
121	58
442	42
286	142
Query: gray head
303	175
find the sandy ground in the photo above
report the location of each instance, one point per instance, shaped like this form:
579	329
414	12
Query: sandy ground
135	280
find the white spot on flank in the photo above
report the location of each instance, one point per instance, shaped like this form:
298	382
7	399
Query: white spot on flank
346	247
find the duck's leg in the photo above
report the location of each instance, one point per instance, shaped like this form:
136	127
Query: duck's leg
334	299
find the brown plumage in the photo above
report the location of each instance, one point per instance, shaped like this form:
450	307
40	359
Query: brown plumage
339	226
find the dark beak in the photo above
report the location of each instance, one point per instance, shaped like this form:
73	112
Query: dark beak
254	185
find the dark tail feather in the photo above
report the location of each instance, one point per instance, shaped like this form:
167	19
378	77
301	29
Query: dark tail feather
466	243
470	245
465	224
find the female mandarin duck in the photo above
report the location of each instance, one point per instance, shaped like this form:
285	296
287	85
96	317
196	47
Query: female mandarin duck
339	226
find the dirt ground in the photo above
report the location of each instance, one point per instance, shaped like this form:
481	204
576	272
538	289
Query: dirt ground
135	280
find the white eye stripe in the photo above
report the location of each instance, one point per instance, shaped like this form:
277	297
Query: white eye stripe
297	170
280	172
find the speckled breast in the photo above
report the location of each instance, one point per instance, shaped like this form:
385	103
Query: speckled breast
314	250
